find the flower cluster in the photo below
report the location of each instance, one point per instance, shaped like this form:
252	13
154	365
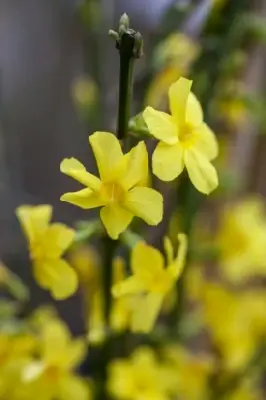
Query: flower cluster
41	362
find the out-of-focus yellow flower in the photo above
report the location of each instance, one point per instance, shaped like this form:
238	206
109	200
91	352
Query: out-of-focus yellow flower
120	311
157	92
185	140
85	92
178	50
121	191
47	243
85	260
15	352
139	377
151	281
234	111
52	376
190	372
241	240
230	324
247	390
173	56
253	301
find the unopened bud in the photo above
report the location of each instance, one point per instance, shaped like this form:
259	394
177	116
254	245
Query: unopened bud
123	23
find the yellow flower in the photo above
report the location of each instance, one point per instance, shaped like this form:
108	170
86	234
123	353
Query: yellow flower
52	375
85	92
178	50
121	191
15	352
234	111
230	318
156	95
190	372
47	243
139	377
248	389
151	281
241	240
85	260
185	140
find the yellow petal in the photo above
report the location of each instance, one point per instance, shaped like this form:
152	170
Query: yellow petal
131	285
146	261
177	267
194	114
115	219
75	354
57	240
137	166
201	172
107	151
161	125
168	161
34	220
206	142
55	339
32	371
178	98
146	204
146	311
84	198
119	269
73	387
77	171
58	277
169	250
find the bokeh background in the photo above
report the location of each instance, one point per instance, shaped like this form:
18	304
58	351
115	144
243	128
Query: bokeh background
59	82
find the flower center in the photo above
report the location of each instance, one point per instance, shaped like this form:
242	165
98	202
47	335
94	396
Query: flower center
112	192
162	282
52	373
186	133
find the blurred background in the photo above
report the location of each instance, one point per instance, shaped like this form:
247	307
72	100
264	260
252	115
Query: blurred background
59	82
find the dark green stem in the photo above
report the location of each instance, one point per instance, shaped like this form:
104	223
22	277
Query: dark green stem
125	83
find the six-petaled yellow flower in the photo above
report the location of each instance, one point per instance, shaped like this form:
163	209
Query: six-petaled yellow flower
47	243
52	375
121	190
151	281
140	377
185	140
241	240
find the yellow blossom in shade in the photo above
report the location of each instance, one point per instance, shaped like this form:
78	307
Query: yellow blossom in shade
140	377
241	240
248	389
120	191
151	281
47	243
52	376
15	352
156	95
229	319
85	260
178	50
184	139
234	111
190	372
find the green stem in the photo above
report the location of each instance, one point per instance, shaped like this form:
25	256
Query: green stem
125	83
